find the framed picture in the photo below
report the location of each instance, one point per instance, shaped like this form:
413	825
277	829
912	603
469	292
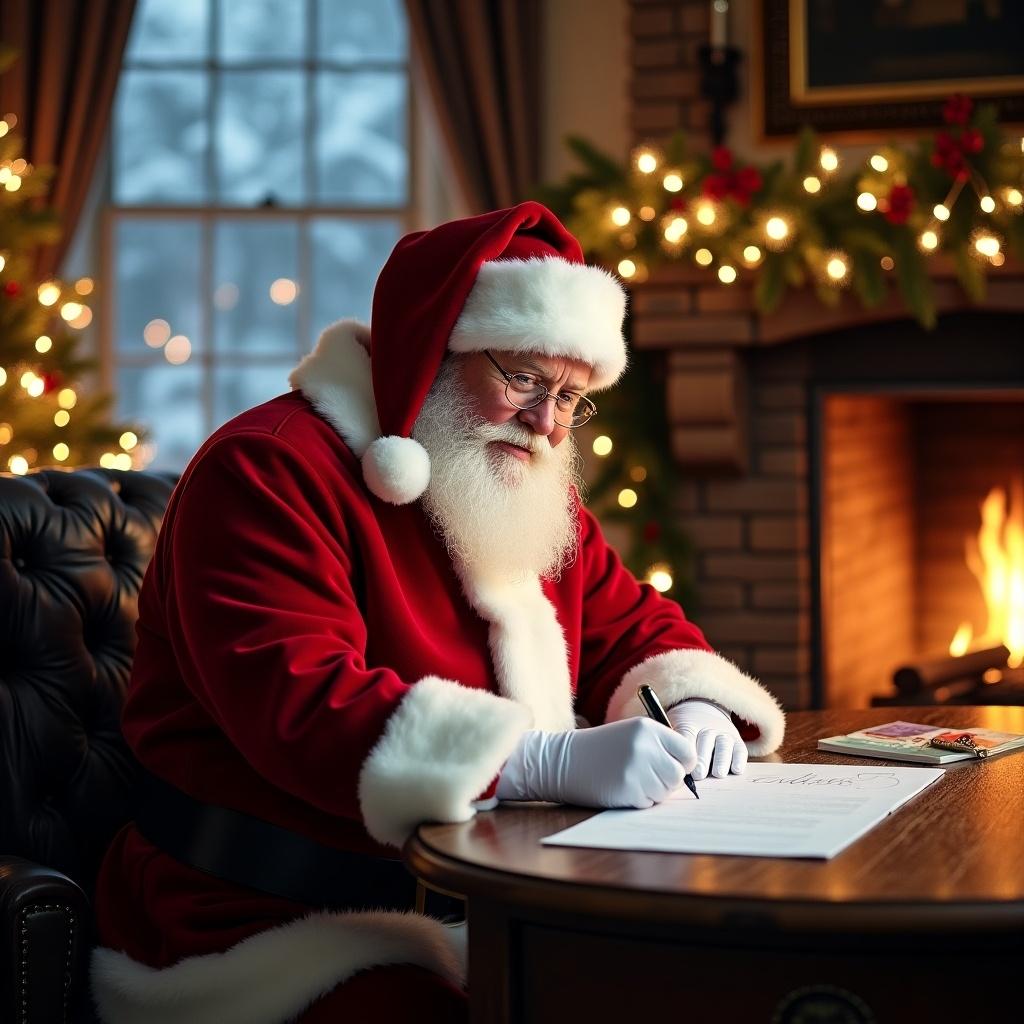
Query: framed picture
858	65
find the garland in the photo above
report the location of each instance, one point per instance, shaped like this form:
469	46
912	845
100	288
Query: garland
959	191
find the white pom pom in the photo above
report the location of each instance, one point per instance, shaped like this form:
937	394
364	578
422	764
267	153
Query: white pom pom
396	469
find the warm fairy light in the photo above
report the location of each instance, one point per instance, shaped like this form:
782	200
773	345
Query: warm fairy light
996	558
61	451
108	460
627	497
4	128
128	440
986	244
283	291
660	577
705	213
3	261
178	350
18	465
626	268
3	376
26	378
621	216
638	474
646	162
1011	196
776	228
648	213
71	310
998	260
19	166
66	398
122	461
13	183
751	255
987	204
941	211
726	274
6	433
602	445
82	320
44	343
84	286
703	257
156	333
961	640
675	229
812	184
928	240
61	418
887	262
879	163
48	294
867	202
35	388
673	182
829	159
836	267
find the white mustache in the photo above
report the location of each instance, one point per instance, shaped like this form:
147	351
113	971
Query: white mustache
515	434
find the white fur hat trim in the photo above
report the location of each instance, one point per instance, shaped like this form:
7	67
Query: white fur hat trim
396	469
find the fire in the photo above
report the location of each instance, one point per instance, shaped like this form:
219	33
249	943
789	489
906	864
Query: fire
996	558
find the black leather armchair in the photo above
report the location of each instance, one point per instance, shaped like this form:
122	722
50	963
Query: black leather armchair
74	546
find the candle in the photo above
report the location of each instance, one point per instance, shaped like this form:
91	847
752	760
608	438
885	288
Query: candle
719	23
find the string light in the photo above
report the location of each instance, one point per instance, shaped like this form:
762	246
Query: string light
673	182
61	418
178	350
941	212
13	183
156	333
108	460
71	310
726	274
26	379
987	204
128	440
751	255
646	161
61	451
675	228
66	398
812	184
887	262
879	163
777	231
626	268
44	343
985	244
283	291
18	465
837	266
627	497
703	257
48	294
82	320
3	376
3	261
6	433
706	213
84	286
621	216
660	577
1011	196
648	213
829	159
602	445
928	240
638	474
867	202
35	389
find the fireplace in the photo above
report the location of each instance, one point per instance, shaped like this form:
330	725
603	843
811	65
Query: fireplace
832	463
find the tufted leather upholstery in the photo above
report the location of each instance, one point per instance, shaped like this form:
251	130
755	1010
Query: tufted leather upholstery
74	546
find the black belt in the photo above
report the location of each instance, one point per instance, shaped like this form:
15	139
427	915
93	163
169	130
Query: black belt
247	851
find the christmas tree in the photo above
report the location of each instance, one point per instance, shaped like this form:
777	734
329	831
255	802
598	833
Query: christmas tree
44	419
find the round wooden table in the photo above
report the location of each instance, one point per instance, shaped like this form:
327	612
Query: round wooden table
923	915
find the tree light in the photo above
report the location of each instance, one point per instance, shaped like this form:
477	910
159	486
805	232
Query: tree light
703	257
602	445
673	182
627	497
726	274
648	213
48	294
67	398
776	229
646	162
987	204
941	212
829	159
986	244
887	262
867	202
620	216
128	440
18	465
44	343
660	577
626	268
1013	196
812	184
879	163
836	267
752	255
675	229
929	240
706	213
61	451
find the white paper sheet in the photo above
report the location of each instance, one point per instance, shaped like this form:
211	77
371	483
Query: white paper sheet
772	810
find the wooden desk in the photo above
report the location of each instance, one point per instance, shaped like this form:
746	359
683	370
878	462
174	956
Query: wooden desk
921	919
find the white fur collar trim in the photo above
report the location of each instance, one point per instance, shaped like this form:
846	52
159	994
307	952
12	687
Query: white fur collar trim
273	976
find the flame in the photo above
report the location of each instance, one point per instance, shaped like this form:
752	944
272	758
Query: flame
996	557
961	640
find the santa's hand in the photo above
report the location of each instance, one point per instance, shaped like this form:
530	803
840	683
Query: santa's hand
632	763
719	745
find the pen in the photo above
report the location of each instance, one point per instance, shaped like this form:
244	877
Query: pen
654	710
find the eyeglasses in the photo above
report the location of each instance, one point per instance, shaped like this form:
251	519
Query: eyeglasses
525	391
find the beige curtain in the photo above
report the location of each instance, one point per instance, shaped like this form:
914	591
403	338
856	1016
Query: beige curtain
482	62
61	87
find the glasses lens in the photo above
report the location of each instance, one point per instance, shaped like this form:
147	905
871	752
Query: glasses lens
524	391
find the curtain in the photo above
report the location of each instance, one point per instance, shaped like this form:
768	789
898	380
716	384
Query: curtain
482	61
61	88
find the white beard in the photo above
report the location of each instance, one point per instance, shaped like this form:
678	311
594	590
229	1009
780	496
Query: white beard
500	517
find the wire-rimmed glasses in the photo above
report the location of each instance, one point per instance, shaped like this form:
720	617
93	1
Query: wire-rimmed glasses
525	391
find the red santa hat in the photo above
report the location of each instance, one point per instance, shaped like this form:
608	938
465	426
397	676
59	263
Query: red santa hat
513	280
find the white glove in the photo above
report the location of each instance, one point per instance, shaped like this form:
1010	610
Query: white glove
632	763
710	729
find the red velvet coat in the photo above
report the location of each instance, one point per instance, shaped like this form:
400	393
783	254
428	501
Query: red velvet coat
309	655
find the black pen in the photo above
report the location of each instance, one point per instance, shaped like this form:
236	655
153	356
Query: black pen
654	710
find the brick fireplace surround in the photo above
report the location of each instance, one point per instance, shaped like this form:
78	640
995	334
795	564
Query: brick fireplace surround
744	392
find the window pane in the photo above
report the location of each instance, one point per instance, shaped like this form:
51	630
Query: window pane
167	399
347	257
160	137
259	137
255	276
361	30
157	278
169	30
237	388
258	29
361	138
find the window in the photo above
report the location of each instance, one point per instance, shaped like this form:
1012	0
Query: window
260	176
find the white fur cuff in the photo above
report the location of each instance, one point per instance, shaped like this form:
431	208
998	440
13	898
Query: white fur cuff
676	675
441	748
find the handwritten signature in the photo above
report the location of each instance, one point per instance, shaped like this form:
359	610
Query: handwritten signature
862	780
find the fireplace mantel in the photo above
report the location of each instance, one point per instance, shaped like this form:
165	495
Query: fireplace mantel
708	325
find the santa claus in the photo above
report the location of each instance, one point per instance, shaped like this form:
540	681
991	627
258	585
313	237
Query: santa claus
377	601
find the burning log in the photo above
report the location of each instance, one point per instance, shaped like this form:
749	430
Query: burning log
956	673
